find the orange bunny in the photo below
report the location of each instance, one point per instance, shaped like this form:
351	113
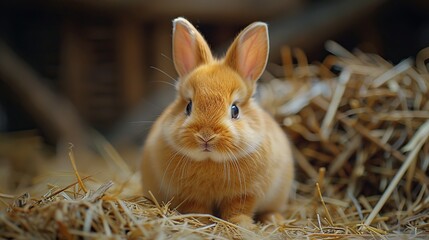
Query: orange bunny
214	150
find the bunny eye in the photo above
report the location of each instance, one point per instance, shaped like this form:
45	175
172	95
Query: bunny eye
189	108
234	111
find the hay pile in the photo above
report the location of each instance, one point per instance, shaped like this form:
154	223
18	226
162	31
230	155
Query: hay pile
360	127
360	130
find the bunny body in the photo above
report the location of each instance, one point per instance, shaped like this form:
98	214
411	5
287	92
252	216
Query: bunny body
214	150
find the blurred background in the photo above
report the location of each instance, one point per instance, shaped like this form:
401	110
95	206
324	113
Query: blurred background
97	73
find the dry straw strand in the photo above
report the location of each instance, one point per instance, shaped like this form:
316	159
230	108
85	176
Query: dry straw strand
421	136
73	162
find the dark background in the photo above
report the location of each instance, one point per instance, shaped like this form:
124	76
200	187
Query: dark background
102	62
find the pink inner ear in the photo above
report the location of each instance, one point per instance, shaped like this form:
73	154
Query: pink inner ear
248	57
186	58
185	50
252	51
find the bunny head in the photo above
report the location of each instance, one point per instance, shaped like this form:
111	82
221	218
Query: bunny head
214	116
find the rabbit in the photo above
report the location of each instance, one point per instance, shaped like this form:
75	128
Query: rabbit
214	150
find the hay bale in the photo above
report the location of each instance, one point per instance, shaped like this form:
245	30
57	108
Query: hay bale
360	138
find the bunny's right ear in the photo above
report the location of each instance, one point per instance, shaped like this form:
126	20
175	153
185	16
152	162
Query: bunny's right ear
189	47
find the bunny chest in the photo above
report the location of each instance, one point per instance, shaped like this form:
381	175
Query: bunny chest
212	180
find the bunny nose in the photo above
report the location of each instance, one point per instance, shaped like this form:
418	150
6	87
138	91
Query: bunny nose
206	135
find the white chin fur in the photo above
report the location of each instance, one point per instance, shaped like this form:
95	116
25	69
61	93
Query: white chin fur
199	155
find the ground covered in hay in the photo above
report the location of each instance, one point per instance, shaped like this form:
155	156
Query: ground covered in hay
360	129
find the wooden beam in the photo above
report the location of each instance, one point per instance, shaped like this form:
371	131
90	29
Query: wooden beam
221	11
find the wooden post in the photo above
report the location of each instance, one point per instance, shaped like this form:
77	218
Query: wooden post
75	65
131	64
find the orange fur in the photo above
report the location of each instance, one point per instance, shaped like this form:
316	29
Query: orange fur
209	162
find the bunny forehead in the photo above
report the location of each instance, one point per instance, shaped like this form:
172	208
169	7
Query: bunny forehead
213	80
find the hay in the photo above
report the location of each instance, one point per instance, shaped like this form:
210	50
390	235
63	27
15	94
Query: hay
360	130
368	126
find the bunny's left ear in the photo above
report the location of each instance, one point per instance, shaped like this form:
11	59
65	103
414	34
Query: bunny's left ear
248	53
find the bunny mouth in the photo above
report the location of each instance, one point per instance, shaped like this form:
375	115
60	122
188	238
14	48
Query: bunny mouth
206	147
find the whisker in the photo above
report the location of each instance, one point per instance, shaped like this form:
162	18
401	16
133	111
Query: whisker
163	72
249	154
229	169
141	122
165	82
174	172
250	169
167	57
254	151
170	160
225	183
235	163
228	174
182	175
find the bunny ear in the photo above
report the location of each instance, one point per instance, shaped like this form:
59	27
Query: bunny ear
189	47
248	53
